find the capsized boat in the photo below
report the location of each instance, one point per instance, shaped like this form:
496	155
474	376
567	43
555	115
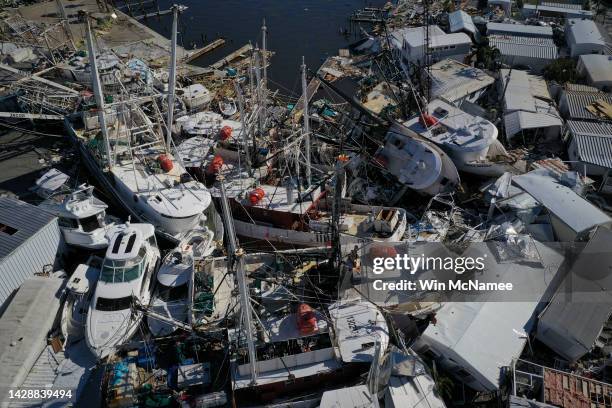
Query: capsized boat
416	162
470	141
171	298
125	282
79	290
81	216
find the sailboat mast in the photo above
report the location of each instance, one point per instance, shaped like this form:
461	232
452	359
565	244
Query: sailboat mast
243	130
264	59
237	254
306	129
172	75
97	88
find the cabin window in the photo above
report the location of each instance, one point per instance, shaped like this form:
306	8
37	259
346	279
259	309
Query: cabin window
121	271
111	305
169	293
92	223
68	223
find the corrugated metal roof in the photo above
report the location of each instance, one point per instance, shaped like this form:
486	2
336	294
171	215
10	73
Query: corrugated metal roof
593	141
543	48
519	29
521	120
577	101
27	219
561	10
460	20
575	6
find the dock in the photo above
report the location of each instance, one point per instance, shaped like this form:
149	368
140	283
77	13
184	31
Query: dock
221	63
219	42
153	14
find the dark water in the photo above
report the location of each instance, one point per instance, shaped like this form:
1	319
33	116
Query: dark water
295	28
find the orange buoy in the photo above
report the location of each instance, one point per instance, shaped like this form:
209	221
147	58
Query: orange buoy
225	132
256	195
215	165
428	120
306	320
383	252
165	162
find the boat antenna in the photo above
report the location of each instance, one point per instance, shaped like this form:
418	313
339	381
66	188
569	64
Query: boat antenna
306	128
236	255
172	73
97	87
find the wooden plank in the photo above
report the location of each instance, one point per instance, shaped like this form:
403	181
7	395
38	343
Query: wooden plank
219	64
201	51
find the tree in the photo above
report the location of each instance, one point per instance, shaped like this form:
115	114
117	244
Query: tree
561	71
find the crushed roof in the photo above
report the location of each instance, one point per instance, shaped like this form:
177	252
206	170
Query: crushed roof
452	79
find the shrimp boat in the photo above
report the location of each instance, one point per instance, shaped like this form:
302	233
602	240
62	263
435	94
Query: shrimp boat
305	355
277	213
81	216
138	168
171	297
79	290
470	141
125	282
416	162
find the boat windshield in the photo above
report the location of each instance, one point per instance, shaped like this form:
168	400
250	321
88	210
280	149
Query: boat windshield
122	270
112	305
173	293
93	222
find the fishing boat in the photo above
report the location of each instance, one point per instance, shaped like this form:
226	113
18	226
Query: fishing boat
171	298
81	216
125	151
470	141
228	107
79	290
125	284
416	162
277	213
297	366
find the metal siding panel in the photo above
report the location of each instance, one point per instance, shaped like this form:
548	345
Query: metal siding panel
30	257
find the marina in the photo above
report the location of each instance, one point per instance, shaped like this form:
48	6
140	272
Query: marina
409	205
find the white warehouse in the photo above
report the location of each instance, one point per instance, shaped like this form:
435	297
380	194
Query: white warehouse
409	45
30	239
